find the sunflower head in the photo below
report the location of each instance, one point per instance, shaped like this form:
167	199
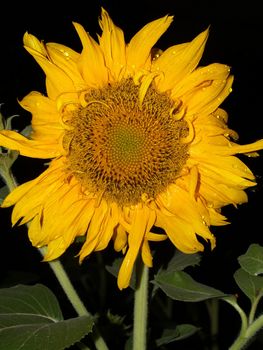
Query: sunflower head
137	140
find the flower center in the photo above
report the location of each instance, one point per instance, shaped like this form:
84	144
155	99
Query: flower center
125	149
125	143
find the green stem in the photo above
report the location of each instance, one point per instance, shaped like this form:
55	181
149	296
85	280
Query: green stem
140	306
66	284
82	346
62	277
254	327
213	309
242	337
254	308
242	340
9	180
244	322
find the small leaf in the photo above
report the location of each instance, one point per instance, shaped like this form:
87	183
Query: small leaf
180	332
180	261
8	123
7	159
30	318
128	344
2	121
180	286
3	193
27	131
252	286
252	260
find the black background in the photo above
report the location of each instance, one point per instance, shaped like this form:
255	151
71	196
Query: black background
235	39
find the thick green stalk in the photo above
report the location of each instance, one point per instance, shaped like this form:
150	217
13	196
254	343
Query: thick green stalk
140	306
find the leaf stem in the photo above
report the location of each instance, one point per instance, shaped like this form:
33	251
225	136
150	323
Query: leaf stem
242	340
244	322
140	306
254	308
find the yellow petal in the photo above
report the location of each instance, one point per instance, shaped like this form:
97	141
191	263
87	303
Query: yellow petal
156	237
178	61
220	194
111	221
207	99
17	193
139	48
61	56
113	46
45	117
34	230
232	171
57	80
146	254
120	238
91	62
32	201
65	53
30	41
95	227
136	236
55	249
217	218
199	76
180	233
29	148
180	204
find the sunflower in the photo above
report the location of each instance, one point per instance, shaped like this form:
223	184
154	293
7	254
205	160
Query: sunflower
136	141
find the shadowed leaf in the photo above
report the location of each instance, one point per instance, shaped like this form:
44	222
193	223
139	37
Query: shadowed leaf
179	285
180	332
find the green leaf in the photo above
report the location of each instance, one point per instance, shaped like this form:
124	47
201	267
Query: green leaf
180	332
2	121
36	300
252	260
4	191
179	285
180	261
6	161
31	319
8	122
252	286
27	131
